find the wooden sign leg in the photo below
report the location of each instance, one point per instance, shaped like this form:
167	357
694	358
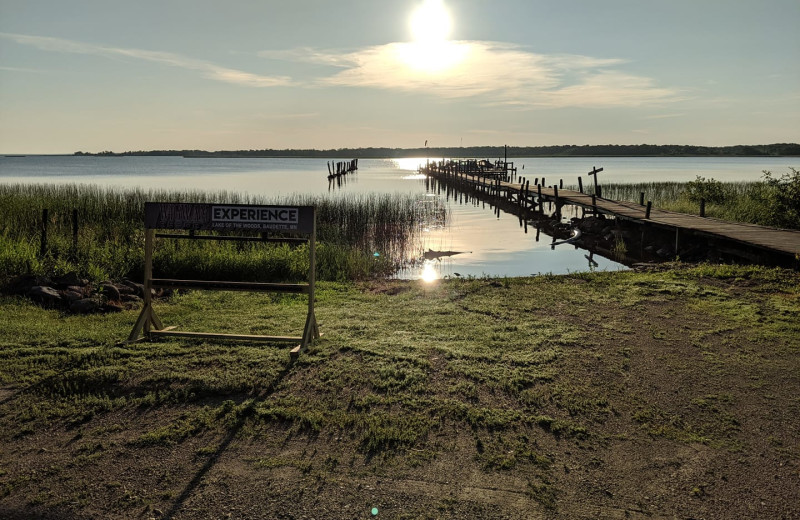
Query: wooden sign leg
138	327
147	318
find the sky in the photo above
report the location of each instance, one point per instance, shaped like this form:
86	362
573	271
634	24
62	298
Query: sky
97	75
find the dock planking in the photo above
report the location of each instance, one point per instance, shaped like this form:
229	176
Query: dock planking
784	241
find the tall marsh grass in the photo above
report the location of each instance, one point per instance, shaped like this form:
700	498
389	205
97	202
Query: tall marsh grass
350	230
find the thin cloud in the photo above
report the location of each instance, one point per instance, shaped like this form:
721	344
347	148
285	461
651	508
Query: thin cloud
22	69
498	73
305	115
664	116
207	69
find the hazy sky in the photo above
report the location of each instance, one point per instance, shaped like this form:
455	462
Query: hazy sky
99	75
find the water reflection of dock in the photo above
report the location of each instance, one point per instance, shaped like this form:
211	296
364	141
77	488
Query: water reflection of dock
504	190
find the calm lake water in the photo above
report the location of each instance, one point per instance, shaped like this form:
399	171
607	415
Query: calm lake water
490	245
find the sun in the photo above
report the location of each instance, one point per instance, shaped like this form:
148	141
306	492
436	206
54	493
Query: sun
431	52
431	22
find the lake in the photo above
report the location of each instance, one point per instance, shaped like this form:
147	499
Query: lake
489	244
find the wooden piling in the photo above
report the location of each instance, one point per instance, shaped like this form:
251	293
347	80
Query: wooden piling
647	211
594	173
641	198
580	184
558	202
541	202
702	207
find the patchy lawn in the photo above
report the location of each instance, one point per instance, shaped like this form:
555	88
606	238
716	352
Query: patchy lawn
614	395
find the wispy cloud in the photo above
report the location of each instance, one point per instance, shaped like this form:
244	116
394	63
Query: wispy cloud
493	73
664	116
207	69
499	73
22	69
304	115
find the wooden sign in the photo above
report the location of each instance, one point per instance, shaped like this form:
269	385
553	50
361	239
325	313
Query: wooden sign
187	216
179	215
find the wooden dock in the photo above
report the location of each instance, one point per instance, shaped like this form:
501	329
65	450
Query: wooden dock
532	198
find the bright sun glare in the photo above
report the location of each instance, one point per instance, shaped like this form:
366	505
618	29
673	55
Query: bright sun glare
431	22
429	273
431	52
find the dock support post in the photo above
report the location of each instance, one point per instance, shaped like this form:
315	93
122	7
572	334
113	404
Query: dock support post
702	207
580	184
539	195
558	202
641	198
647	211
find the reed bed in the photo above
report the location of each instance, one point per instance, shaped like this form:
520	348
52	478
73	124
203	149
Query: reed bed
351	229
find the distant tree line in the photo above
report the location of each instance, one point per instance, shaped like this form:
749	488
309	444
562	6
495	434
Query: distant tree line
607	150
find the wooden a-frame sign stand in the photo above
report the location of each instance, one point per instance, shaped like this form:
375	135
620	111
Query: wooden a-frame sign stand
296	220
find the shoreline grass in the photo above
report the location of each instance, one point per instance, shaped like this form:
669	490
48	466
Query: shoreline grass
350	229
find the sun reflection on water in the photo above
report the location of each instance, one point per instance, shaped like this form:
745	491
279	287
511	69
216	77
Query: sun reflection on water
429	273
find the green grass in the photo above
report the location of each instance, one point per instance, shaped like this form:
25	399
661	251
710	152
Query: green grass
509	380
111	236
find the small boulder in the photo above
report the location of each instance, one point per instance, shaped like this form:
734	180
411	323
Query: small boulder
71	295
44	294
130	298
84	306
110	291
137	287
78	289
113	307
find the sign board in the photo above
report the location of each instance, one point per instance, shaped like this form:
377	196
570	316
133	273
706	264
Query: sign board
188	216
181	215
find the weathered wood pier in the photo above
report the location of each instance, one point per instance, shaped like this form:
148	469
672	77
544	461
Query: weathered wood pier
526	197
339	168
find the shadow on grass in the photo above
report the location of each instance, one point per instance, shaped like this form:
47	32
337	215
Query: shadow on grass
43	383
214	457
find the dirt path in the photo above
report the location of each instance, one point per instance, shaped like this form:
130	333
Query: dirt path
649	395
